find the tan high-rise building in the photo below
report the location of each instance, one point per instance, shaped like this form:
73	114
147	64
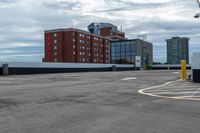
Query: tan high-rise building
177	50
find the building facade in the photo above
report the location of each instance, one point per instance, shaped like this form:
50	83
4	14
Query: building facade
177	50
125	51
107	30
75	46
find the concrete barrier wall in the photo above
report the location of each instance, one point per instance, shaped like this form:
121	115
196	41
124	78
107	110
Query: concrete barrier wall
61	65
41	68
170	67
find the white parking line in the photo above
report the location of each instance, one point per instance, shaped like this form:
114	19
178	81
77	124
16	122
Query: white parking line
191	97
130	78
176	72
197	91
184	92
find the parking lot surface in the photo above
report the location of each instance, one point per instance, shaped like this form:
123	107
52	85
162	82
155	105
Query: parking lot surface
99	102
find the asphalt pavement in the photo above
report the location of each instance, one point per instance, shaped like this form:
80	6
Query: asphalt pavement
99	102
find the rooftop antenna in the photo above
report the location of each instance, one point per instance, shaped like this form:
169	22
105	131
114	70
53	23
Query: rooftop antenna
121	28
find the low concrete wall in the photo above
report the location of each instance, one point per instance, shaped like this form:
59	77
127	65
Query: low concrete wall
170	67
16	68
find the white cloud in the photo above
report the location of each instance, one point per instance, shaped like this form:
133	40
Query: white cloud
23	21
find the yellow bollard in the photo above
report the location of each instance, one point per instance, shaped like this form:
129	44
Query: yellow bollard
183	69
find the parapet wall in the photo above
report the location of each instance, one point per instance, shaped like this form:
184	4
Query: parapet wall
16	68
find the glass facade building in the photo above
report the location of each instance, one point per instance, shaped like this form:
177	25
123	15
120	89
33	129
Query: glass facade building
124	51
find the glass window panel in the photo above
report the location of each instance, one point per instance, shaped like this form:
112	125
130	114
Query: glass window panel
128	60
133	53
133	59
133	42
117	44
117	54
128	53
128	48
123	61
113	44
117	58
117	49
113	58
133	47
128	42
123	48
118	61
123	53
112	49
113	54
123	43
113	61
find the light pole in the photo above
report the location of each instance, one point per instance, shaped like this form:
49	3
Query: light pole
198	14
198	1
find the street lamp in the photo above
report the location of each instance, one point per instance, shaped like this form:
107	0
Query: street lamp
198	14
198	1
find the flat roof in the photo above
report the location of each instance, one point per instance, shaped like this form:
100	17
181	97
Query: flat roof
72	29
130	40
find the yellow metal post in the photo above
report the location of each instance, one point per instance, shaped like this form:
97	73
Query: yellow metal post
183	68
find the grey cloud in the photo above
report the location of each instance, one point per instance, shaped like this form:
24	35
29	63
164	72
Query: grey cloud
25	22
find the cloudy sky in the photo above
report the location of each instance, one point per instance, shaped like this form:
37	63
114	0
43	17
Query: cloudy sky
23	22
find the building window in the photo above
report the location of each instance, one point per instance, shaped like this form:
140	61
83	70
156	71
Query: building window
55	60
55	53
82	41
55	47
55	34
95	38
74	46
74	53
55	41
74	40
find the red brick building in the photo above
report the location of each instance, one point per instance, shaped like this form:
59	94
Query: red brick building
77	46
112	35
107	30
